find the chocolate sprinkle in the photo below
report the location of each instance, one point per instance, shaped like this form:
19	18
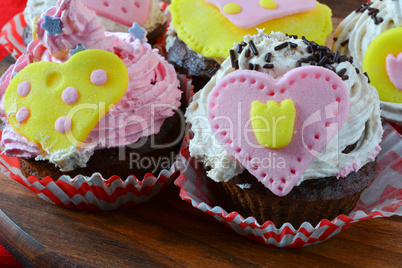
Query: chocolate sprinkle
268	57
239	48
298	63
372	12
368	78
357	70
256	67
248	53
281	46
293	45
342	72
253	48
232	57
251	66
268	66
344	43
345	77
236	64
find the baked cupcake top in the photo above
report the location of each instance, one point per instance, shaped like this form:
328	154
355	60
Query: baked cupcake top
220	145
219	24
115	15
150	95
372	35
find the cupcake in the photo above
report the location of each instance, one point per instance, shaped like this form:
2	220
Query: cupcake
82	101
115	15
290	133
197	47
372	35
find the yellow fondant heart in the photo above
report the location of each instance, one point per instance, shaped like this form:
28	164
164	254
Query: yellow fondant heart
374	63
273	123
213	35
57	105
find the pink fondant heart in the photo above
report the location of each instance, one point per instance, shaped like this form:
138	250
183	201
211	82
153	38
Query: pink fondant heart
394	69
321	100
125	12
252	13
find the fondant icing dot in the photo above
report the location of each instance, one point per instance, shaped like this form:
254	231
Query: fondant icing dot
268	4
99	77
263	175
334	87
233	81
327	79
293	171
212	105
22	114
299	160
338	99
283	90
243	79
261	87
291	82
137	5
280	188
63	124
316	137
231	8
271	181
317	76
271	93
283	180
24	88
303	76
309	148
70	95
253	81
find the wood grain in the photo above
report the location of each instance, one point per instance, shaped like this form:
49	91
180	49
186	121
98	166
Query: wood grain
169	232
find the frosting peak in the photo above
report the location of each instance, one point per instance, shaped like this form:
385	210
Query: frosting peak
152	94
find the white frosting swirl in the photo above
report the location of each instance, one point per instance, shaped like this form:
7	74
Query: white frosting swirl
360	29
363	125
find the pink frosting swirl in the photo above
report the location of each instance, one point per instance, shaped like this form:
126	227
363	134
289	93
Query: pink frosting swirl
153	90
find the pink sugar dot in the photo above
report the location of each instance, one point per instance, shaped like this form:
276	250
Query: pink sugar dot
99	77
63	124
24	88
70	95
22	114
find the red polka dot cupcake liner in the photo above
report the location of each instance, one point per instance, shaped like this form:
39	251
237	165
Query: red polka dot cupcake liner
383	198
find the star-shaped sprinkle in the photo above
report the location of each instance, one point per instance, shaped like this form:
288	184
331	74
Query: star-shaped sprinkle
52	25
79	48
137	32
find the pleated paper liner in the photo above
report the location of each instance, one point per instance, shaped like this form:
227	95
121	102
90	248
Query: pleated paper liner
91	193
96	192
383	198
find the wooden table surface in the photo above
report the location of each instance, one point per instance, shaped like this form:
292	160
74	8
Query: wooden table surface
170	232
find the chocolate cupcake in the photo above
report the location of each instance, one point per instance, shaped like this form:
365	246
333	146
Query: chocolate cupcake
372	35
202	33
134	94
115	15
289	134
